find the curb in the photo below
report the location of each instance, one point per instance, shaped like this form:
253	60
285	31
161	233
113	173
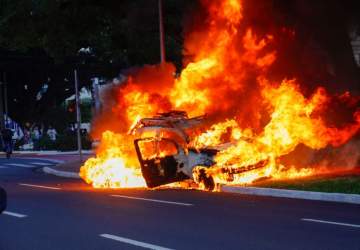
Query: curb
294	194
61	173
273	192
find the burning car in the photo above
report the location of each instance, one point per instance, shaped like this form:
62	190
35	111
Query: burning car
162	147
166	154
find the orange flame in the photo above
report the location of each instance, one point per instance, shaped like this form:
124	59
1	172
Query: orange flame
226	78
293	122
115	166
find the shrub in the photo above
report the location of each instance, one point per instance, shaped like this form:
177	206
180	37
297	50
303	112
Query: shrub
18	143
45	143
68	142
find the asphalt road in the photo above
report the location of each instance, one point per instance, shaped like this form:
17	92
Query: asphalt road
48	212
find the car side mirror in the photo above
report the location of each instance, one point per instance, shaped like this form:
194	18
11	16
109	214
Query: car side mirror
3	200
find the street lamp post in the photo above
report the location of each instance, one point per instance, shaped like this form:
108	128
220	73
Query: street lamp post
161	29
5	94
2	119
3	101
78	115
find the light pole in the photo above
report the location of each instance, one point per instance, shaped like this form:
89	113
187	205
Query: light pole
2	119
78	115
5	99
96	95
5	95
161	29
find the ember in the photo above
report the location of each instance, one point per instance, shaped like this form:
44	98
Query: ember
250	123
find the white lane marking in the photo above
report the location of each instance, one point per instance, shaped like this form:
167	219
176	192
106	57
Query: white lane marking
38	158
153	200
39	186
3	167
15	214
20	165
42	163
134	242
331	222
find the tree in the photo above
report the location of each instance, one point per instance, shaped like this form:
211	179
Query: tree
43	41
116	31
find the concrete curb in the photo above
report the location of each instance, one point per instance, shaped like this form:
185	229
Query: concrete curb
282	193
61	173
294	194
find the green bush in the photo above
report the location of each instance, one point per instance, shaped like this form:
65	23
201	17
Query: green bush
45	143
18	143
68	142
64	142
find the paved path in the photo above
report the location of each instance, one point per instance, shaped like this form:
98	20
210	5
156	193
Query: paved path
48	212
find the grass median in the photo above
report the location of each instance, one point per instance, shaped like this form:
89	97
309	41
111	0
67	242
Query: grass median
340	184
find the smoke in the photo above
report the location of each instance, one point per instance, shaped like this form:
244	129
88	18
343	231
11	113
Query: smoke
154	80
345	157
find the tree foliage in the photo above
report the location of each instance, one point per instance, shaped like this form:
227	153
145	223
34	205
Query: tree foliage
115	31
43	41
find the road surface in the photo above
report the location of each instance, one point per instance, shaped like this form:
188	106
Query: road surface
48	212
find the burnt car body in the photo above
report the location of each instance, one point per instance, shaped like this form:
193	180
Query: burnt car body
162	147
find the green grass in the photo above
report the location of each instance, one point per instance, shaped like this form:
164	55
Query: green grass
348	184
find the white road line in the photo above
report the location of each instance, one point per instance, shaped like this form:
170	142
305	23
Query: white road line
39	158
134	242
20	165
153	200
15	214
39	186
331	222
42	163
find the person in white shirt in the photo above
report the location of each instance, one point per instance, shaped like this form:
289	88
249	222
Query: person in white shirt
52	133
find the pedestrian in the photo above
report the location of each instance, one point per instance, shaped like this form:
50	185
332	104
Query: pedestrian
70	130
6	135
26	136
51	132
35	136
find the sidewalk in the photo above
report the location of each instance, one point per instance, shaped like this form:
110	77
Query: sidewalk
71	169
59	156
51	152
68	169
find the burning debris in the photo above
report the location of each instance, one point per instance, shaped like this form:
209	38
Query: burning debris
252	121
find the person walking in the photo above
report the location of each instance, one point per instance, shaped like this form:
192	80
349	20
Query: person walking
6	135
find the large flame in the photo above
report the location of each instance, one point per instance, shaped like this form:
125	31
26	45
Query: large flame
226	77
115	165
